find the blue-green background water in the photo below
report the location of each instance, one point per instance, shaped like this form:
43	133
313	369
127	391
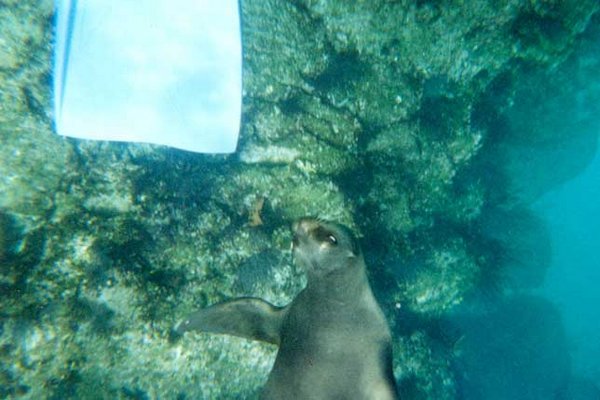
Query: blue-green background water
572	213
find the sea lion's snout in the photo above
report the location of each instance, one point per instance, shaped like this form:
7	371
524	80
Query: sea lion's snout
304	246
301	230
303	226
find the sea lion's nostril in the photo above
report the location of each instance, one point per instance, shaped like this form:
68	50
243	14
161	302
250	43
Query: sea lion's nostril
295	226
302	226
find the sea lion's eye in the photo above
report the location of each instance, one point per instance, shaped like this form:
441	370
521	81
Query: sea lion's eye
331	239
325	236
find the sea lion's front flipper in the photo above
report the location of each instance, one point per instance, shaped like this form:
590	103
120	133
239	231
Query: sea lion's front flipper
247	317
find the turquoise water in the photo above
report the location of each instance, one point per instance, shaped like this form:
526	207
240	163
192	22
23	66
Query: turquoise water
572	213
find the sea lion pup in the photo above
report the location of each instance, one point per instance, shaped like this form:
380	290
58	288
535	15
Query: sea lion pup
334	342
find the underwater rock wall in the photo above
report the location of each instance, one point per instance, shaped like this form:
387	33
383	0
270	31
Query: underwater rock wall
396	118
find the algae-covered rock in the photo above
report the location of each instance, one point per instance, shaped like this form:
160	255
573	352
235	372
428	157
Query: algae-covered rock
451	274
424	369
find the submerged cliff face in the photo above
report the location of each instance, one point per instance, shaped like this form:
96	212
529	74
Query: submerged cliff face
412	122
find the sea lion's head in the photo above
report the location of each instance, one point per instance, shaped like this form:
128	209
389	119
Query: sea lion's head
321	247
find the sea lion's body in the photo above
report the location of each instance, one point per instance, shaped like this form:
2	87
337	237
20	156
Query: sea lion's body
334	342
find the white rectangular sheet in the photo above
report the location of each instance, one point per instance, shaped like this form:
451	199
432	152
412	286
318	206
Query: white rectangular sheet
154	71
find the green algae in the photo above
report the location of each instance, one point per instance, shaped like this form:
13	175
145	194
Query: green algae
426	368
